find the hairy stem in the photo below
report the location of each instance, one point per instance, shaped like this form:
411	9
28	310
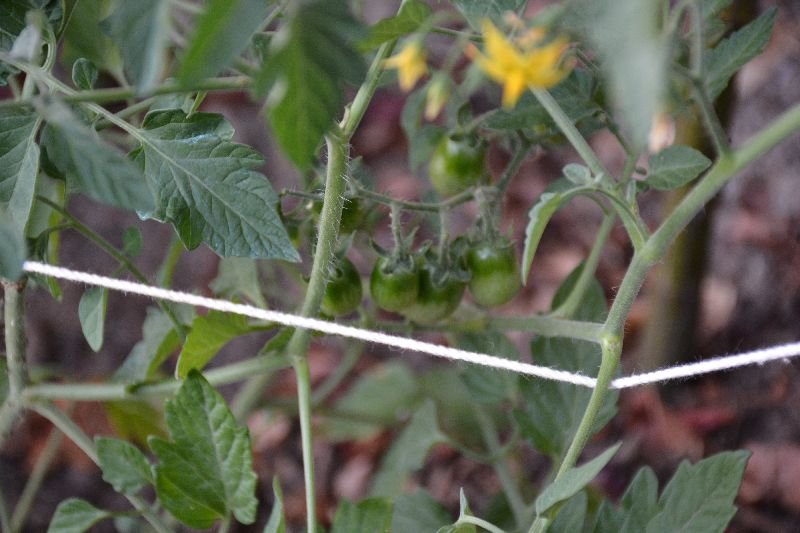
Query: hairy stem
14	320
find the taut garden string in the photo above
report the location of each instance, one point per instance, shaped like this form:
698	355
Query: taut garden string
760	356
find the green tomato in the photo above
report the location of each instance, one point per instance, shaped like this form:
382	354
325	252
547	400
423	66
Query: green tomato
343	292
457	164
394	286
439	295
495	273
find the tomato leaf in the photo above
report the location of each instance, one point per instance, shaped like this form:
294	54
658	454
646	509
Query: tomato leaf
310	58
124	466
159	340
571	516
205	473
573	481
409	18
74	515
373	515
12	248
209	334
13	22
418	512
550	201
208	188
237	277
377	400
19	163
221	33
700	497
733	52
90	165
408	452
675	166
141	31
92	314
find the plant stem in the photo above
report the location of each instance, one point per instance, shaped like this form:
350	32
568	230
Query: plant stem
656	246
231	83
518	506
82	440
122	391
353	354
570	132
43	462
120	257
480	523
14	320
568	308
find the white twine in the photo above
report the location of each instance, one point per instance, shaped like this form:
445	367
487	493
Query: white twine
761	356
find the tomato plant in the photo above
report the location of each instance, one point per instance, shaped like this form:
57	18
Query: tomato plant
394	285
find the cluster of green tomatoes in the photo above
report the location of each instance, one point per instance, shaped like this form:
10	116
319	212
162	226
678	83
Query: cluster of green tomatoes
427	285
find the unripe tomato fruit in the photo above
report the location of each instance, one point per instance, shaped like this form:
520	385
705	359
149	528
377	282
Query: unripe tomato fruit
394	286
343	292
495	273
439	295
457	164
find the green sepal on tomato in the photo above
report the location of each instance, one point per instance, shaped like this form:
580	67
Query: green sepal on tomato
343	292
457	163
495	272
441	288
394	283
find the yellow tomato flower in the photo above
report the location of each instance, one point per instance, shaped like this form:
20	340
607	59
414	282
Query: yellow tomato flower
520	64
410	64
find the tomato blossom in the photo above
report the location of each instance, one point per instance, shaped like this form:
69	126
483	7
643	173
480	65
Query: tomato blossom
520	63
410	64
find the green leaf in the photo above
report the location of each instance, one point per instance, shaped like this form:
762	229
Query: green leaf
550	201
221	33
485	385
83	37
159	340
12	248
208	188
732	53
205	472
90	165
276	522
136	420
550	412
124	466
571	516
408	452
75	516
373	515
92	314
19	159
209	334
573	481
418	512
477	10
237	277
19	162
84	74
410	17
675	166
377	400
141	31
700	498
627	35
310	57
132	241
639	503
